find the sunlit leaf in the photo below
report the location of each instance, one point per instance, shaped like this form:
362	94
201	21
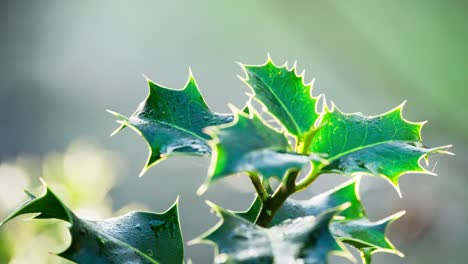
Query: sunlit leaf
386	145
249	145
172	121
283	92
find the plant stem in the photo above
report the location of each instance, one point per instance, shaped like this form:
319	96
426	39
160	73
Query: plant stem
271	205
259	187
309	179
303	146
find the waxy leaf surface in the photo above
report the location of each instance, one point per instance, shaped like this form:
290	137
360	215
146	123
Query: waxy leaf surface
386	145
137	237
352	227
305	239
249	145
172	121
285	96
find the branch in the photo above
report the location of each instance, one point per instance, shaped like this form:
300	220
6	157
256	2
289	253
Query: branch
274	202
315	171
259	188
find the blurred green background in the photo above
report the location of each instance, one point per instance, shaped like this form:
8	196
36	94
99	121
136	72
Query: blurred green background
64	63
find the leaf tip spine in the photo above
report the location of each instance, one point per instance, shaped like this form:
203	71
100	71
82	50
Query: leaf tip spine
202	189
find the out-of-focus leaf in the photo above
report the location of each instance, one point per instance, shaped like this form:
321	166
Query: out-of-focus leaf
172	121
365	235
306	239
351	225
252	212
137	237
386	145
284	94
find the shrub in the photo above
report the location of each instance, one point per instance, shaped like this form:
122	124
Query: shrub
290	138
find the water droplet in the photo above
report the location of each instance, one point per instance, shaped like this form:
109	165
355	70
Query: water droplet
101	241
149	252
83	231
239	236
157	226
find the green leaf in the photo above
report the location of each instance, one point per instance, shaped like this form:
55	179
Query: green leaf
366	254
172	121
284	94
365	234
352	225
137	237
386	145
306	239
347	192
249	145
252	212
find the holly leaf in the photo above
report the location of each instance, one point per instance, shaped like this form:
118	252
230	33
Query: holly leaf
172	121
252	212
249	145
367	236
283	92
306	240
136	237
386	145
351	226
366	254
346	192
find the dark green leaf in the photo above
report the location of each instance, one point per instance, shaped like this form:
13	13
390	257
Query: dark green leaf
285	96
137	237
364	234
386	145
351	226
347	192
366	254
172	121
305	239
249	145
252	212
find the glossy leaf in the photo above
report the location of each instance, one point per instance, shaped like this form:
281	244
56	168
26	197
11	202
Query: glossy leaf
386	145
351	226
305	239
137	237
347	192
249	145
366	254
365	234
284	94
172	121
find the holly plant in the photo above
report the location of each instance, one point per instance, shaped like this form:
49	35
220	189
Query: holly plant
288	138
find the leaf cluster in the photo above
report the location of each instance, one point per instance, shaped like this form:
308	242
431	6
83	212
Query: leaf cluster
287	136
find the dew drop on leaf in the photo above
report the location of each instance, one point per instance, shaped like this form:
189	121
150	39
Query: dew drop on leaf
157	226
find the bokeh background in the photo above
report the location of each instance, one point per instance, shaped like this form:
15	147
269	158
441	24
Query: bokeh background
63	63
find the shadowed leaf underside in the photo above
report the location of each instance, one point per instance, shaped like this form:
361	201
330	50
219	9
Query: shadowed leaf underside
136	237
304	240
172	121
